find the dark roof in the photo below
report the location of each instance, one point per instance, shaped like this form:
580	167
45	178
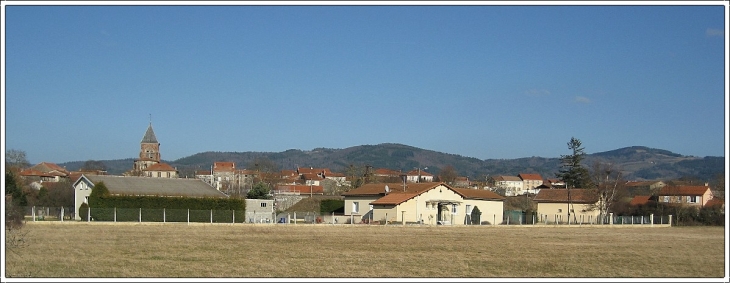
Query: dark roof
149	136
561	195
478	194
126	185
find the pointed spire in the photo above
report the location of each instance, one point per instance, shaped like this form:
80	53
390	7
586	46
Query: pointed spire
149	136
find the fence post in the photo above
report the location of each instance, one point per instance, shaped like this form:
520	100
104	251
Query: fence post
32	212
88	215
188	216
115	215
651	218
211	216
62	214
610	221
494	219
140	215
295	218
233	214
164	216
670	220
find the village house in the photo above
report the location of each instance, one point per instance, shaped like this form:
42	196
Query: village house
530	182
418	175
554	204
685	195
44	172
512	185
431	203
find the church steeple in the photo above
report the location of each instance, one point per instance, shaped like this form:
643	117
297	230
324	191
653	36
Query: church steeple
149	136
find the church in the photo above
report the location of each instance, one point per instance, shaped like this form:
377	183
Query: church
149	163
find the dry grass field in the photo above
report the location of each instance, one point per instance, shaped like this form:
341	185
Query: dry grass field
356	251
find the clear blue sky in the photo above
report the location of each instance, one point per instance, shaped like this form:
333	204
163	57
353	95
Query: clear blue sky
479	81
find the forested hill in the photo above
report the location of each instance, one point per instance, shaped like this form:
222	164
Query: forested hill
637	162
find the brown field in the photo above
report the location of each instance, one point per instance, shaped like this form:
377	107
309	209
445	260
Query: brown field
355	251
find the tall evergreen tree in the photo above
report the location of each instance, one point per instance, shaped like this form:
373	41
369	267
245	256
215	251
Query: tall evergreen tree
572	172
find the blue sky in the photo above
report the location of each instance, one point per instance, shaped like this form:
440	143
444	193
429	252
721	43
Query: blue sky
479	81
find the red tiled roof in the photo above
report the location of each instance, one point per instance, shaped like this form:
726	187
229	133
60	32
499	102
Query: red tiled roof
561	195
224	166
159	167
31	172
478	194
379	188
715	201
640	200
530	177
395	198
202	172
53	166
288	173
683	190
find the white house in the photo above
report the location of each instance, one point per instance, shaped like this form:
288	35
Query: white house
427	203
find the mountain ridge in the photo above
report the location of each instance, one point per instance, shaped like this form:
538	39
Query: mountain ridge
637	162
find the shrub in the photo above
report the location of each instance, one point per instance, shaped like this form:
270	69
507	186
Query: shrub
84	211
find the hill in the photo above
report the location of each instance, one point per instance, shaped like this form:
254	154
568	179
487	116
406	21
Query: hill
637	162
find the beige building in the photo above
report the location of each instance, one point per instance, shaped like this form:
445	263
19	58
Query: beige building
687	195
553	205
427	203
260	211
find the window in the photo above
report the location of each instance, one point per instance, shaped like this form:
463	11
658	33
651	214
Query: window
86	199
468	209
263	204
692	199
168	174
355	206
159	174
371	207
453	209
665	199
560	210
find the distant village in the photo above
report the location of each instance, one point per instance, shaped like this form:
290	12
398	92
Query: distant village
379	195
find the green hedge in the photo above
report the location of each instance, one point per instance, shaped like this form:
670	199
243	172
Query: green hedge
328	206
169	209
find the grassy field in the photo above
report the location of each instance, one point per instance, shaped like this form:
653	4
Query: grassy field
356	251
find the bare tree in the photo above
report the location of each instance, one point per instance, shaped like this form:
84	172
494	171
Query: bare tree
448	174
608	185
719	185
16	159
